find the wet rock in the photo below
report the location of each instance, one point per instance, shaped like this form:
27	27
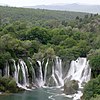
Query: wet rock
52	82
71	87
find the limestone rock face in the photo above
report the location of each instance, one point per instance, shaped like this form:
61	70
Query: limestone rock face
51	82
71	87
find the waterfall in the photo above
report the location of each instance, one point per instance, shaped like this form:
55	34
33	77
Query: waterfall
53	76
7	69
45	71
49	72
21	66
55	79
86	73
79	71
16	71
40	81
25	72
58	71
33	71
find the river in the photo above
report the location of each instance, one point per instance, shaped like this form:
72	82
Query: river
37	94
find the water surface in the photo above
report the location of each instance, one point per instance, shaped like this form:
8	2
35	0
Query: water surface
37	94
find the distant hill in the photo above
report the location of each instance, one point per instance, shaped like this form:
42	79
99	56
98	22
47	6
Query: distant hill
71	7
36	15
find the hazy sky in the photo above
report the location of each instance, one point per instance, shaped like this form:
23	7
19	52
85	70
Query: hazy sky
45	2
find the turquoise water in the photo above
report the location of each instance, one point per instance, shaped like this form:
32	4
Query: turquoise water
37	94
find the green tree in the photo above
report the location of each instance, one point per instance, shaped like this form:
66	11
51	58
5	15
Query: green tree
83	48
94	58
4	57
96	42
39	34
69	42
92	89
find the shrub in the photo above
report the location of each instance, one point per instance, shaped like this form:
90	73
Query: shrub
8	84
96	98
92	88
12	87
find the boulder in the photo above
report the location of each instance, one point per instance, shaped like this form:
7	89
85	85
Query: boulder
71	87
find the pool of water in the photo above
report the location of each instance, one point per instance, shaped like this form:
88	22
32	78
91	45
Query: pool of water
37	94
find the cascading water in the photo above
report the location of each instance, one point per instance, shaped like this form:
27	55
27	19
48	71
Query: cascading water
58	71
33	71
7	69
21	66
86	73
53	78
79	71
44	74
25	72
16	71
39	80
45	71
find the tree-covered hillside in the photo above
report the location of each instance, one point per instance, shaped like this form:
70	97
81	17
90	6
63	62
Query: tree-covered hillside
37	16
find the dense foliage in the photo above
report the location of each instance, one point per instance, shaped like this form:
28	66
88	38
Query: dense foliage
96	98
45	18
8	85
94	57
92	89
42	33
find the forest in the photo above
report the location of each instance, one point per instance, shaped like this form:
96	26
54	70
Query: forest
39	34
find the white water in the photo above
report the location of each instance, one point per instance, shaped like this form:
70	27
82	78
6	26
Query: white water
40	81
7	69
87	73
21	66
53	75
57	74
33	71
79	71
45	71
16	71
58	71
24	70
